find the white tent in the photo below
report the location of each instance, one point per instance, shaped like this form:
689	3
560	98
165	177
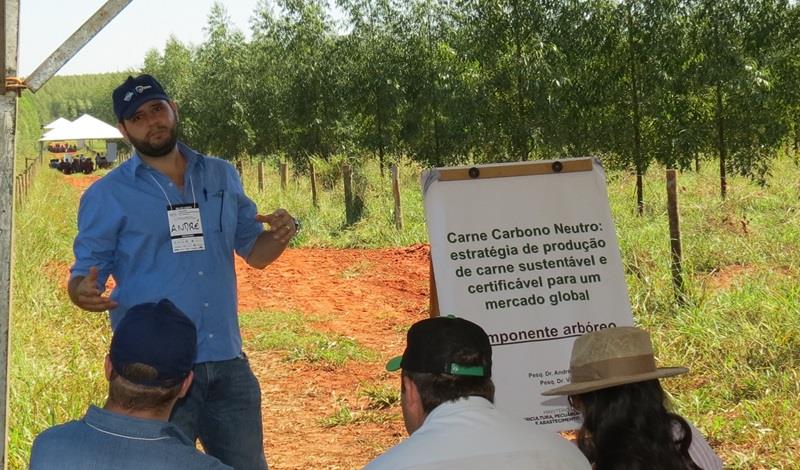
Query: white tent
85	127
57	123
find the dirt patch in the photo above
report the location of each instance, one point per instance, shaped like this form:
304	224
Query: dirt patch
727	276
80	182
371	296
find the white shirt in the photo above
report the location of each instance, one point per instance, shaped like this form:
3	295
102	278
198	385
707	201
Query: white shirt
471	434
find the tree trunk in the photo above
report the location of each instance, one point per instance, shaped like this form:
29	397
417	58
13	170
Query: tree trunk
520	137
797	135
434	98
721	149
381	156
638	158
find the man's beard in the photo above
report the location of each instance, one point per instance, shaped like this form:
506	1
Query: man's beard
156	151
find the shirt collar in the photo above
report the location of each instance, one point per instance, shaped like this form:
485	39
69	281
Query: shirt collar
192	157
131	427
454	406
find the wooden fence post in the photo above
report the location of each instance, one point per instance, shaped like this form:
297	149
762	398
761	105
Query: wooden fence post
313	185
260	175
347	176
398	210
674	234
284	175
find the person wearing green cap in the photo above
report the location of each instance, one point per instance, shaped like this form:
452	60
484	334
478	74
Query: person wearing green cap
447	395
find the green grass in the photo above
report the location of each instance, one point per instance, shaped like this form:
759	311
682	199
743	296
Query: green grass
291	334
325	226
346	416
56	349
380	396
738	330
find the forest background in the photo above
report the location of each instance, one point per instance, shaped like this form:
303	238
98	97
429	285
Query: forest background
643	85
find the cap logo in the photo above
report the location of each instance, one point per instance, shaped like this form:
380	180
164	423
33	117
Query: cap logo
458	369
128	96
142	88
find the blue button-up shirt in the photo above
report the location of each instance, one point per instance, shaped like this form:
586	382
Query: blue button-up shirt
103	440
123	230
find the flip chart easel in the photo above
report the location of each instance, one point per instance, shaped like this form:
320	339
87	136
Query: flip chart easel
528	251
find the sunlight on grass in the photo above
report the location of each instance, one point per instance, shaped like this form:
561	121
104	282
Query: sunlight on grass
289	333
738	330
380	396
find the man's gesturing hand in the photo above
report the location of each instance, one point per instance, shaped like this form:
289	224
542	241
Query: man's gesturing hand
86	294
282	225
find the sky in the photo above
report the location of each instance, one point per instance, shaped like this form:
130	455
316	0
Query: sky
122	44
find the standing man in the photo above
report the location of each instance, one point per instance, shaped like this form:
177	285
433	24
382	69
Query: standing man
447	397
166	223
148	368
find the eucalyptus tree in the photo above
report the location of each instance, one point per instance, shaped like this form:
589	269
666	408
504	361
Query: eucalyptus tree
735	82
269	84
647	111
760	110
372	62
214	113
173	69
512	42
581	119
427	81
310	87
790	45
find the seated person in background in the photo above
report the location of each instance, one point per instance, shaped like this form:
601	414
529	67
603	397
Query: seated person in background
447	399
65	166
101	161
626	421
149	367
87	166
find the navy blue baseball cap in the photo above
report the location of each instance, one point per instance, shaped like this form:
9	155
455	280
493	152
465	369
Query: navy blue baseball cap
445	345
158	335
135	92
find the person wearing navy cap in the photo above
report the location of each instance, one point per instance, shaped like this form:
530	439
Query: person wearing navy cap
447	398
166	223
148	367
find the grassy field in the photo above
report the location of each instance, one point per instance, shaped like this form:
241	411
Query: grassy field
738	330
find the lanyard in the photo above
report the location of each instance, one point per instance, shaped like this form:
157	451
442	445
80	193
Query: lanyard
169	203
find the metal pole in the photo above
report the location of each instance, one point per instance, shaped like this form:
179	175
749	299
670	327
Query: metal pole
8	124
74	43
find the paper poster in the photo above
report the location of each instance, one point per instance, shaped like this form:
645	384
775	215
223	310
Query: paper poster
534	260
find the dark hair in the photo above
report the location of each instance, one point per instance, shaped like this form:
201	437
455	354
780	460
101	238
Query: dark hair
435	389
132	396
629	427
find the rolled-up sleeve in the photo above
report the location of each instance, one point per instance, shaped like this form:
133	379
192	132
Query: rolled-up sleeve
247	227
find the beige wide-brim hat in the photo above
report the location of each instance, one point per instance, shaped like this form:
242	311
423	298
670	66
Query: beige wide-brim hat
611	357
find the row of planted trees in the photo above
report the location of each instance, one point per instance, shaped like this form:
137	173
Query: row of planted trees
667	81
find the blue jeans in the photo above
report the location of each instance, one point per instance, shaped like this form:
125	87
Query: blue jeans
223	410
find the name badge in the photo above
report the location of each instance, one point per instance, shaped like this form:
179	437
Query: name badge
185	228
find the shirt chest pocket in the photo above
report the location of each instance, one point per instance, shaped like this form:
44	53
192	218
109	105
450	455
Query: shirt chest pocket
219	218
